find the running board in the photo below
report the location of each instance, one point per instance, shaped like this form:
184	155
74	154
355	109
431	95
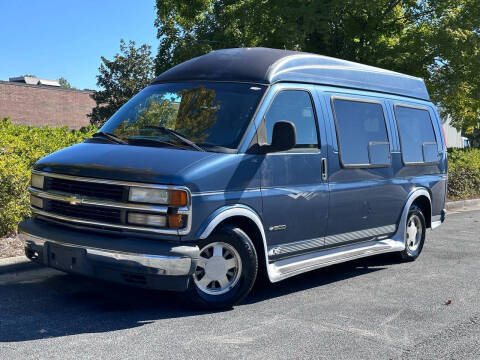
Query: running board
286	268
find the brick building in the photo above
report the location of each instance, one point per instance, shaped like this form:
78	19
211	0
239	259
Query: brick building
31	101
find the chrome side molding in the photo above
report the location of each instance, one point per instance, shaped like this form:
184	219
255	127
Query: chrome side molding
283	269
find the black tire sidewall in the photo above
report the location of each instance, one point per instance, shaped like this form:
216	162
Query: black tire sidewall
407	254
237	238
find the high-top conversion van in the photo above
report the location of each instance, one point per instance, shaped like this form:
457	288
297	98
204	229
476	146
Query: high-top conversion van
241	161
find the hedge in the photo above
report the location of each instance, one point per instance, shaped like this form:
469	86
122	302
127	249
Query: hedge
463	173
20	147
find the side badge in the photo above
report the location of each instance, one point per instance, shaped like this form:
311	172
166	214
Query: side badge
277	227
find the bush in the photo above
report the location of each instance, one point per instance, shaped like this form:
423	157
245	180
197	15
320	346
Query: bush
463	173
20	147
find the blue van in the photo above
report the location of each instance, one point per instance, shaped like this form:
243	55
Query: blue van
244	161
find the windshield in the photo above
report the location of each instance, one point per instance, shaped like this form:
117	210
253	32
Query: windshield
207	114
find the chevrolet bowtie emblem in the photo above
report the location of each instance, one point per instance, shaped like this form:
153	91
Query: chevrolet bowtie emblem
74	200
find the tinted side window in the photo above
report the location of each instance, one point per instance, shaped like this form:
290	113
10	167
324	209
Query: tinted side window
416	135
294	106
361	132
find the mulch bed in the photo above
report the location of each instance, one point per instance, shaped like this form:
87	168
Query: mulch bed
11	246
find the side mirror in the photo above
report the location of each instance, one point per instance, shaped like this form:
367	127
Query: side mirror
284	137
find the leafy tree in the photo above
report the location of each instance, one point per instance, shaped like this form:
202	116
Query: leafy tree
438	40
120	79
64	83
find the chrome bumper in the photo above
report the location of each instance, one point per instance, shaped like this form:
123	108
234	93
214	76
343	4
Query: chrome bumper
164	265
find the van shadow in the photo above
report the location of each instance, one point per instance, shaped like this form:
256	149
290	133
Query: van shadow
59	305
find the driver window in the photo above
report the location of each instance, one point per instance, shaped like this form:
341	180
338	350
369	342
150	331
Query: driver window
294	106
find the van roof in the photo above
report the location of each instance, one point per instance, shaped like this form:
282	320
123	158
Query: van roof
269	66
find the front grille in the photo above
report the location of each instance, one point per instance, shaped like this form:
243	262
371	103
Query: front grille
100	203
91	189
86	212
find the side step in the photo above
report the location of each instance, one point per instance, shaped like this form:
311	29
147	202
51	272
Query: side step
286	268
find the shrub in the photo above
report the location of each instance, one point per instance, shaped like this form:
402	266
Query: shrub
463	173
20	147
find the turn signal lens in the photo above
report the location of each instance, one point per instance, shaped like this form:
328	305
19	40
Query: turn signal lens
178	198
175	221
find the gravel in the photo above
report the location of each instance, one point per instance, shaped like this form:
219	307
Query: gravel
11	246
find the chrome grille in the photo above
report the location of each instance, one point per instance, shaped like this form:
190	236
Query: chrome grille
93	202
97	213
97	190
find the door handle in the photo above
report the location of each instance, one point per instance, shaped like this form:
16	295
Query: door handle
324	169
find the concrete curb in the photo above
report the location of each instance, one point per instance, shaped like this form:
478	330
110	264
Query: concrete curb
463	205
16	263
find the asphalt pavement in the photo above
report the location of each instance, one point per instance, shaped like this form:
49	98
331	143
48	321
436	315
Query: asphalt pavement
370	309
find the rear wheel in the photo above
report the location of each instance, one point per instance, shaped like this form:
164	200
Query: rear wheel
414	234
226	270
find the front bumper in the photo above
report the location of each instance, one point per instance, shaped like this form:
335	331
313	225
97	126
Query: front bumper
134	261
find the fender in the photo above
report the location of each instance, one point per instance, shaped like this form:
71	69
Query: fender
399	236
229	211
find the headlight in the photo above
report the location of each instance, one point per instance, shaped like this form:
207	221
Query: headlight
158	196
37	181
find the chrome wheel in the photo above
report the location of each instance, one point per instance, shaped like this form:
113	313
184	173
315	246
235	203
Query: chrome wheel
218	268
414	233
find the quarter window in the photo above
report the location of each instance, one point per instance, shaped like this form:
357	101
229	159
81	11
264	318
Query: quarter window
417	137
294	106
361	132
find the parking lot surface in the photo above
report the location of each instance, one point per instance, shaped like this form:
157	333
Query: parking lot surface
370	309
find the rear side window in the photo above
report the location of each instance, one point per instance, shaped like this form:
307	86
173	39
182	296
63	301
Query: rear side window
361	133
417	137
294	106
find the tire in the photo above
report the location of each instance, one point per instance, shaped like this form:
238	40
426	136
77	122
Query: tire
226	270
414	234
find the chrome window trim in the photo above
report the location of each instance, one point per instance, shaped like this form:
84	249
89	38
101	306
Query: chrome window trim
186	210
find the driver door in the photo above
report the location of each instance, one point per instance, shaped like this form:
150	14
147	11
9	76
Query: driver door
294	192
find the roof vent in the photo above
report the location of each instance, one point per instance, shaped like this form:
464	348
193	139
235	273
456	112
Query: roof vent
30	80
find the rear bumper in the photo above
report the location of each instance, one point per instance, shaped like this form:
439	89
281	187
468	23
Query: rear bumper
133	261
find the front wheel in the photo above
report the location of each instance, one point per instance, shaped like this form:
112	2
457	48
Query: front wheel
414	234
226	270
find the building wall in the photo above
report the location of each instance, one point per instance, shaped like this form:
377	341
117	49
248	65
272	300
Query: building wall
43	105
453	136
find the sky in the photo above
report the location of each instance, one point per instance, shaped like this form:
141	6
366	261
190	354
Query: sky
53	38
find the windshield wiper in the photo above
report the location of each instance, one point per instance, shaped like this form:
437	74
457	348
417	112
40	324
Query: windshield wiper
178	136
141	140
112	137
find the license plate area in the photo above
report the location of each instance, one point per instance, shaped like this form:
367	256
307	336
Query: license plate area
66	258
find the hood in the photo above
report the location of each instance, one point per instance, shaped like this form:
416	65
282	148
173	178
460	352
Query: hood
121	162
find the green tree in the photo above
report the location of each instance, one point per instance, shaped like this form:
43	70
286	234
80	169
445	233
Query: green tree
64	83
438	40
120	79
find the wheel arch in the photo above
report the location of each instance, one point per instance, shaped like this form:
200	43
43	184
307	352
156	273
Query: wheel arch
246	219
420	197
425	205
